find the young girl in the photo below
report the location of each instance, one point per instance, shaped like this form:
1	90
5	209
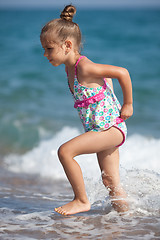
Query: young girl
98	108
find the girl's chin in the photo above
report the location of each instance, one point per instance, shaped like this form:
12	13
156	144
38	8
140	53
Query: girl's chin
54	64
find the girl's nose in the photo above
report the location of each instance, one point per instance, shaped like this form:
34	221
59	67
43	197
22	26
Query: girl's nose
45	54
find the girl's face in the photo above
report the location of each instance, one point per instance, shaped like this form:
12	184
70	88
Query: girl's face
54	52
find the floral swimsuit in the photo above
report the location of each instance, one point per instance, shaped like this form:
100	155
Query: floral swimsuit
98	108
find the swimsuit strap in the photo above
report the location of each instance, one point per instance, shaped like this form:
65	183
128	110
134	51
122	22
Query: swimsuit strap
77	64
103	87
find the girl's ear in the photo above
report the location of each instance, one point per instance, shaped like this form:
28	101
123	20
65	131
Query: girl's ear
68	46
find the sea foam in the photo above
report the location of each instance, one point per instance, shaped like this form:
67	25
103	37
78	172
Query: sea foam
139	168
139	152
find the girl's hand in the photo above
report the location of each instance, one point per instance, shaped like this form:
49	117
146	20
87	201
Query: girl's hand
126	111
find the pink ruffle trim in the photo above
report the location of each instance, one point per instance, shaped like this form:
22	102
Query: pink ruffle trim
119	120
86	102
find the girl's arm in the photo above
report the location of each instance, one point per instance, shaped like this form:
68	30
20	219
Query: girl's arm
90	69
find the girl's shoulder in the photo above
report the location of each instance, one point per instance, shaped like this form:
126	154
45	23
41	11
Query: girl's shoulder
83	62
84	66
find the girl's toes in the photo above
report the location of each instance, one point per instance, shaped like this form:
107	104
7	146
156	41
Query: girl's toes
58	209
63	213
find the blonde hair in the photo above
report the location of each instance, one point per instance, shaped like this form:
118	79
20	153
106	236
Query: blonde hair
58	30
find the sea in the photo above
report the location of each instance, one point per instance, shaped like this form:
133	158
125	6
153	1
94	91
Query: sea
37	116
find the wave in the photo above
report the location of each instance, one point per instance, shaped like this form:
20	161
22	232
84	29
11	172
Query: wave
139	169
139	152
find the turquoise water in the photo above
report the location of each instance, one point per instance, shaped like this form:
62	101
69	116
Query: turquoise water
34	100
37	116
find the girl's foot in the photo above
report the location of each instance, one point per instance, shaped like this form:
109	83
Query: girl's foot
119	199
120	205
73	207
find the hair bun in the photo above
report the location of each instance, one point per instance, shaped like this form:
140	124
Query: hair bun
68	12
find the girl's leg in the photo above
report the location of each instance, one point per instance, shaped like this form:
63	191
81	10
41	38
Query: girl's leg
90	142
109	165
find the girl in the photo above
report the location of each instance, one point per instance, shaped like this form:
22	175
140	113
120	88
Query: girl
98	108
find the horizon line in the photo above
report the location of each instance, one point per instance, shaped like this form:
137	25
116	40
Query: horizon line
105	7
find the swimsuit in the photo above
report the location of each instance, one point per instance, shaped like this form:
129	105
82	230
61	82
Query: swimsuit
98	108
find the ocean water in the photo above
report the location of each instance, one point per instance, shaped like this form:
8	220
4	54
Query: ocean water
37	116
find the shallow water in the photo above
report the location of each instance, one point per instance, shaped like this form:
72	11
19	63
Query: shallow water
30	190
27	205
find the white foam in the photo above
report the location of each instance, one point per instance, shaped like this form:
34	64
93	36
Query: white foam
138	152
139	168
31	216
43	159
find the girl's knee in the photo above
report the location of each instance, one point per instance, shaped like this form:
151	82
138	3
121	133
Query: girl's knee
61	152
64	152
